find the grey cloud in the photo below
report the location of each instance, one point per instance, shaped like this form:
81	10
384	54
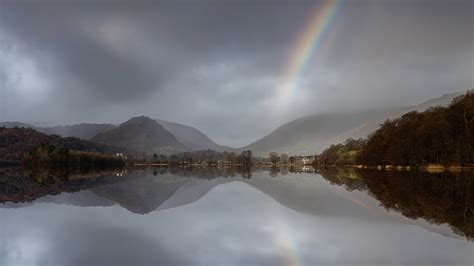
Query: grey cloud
81	62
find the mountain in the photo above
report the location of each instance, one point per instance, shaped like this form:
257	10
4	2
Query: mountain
82	131
194	139
15	142
141	192
141	134
312	134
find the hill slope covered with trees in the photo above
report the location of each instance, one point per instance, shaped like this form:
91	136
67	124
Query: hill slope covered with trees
439	135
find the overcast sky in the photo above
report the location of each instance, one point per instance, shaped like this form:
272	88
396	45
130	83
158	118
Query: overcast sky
217	65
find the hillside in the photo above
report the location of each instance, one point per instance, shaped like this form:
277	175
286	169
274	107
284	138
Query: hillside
308	134
439	135
141	134
15	142
194	139
312	134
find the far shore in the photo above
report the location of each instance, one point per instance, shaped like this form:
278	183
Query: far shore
432	168
429	168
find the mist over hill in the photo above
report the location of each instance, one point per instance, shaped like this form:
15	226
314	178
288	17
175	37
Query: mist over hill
194	139
82	131
312	134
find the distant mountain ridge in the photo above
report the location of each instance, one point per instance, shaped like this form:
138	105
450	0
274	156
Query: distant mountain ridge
82	131
16	124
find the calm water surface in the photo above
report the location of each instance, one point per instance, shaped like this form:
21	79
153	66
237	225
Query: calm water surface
272	218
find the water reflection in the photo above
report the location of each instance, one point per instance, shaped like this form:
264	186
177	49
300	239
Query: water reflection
439	198
276	217
18	185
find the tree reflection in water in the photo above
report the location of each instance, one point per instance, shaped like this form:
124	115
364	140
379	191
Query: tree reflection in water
436	197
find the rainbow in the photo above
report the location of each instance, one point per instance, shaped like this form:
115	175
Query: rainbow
284	238
308	42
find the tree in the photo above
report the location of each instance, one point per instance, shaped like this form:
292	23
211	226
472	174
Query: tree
284	158
162	158
292	159
231	158
274	158
245	158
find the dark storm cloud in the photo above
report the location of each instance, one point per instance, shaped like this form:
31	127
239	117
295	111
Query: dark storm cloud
86	63
208	62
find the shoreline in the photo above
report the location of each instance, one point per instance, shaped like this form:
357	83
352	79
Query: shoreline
434	168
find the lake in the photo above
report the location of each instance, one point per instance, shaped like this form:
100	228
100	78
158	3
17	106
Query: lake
221	217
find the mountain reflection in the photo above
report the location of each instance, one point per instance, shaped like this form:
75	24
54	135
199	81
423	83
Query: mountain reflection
439	198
